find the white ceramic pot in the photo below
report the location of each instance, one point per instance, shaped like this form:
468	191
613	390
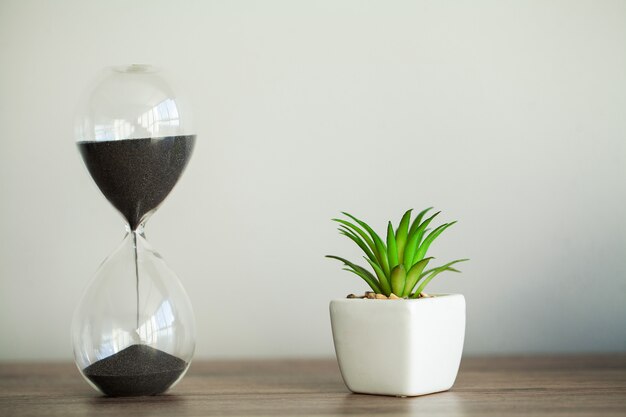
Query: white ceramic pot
399	347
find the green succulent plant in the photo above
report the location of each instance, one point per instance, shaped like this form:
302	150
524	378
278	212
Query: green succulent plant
400	262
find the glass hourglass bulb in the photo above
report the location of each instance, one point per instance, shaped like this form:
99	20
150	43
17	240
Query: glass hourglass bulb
133	332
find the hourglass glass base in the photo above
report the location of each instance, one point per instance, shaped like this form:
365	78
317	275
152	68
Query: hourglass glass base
135	371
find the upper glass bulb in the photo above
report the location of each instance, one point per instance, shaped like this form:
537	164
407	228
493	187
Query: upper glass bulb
135	136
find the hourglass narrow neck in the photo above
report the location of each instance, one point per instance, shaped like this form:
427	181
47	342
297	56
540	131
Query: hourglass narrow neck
138	230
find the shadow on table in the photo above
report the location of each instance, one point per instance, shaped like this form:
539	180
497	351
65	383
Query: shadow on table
164	404
443	403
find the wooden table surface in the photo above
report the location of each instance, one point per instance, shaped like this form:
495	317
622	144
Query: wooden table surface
516	386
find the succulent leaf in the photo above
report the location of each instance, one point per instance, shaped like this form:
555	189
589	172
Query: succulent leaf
398	280
358	230
414	274
356	239
392	250
409	252
360	275
383	281
446	266
422	227
421	235
433	273
380	248
401	235
421	251
360	271
416	223
415	237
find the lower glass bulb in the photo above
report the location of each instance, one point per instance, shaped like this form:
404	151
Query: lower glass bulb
133	332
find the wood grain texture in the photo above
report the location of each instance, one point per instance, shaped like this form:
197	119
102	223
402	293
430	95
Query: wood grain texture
515	386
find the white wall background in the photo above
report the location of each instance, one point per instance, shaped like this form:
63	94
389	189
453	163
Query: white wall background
510	116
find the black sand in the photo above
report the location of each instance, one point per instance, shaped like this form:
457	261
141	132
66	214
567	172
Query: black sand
136	370
136	175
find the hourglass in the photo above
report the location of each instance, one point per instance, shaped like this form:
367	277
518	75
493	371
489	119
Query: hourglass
133	332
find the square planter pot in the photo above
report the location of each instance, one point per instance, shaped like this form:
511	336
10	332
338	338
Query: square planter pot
399	347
